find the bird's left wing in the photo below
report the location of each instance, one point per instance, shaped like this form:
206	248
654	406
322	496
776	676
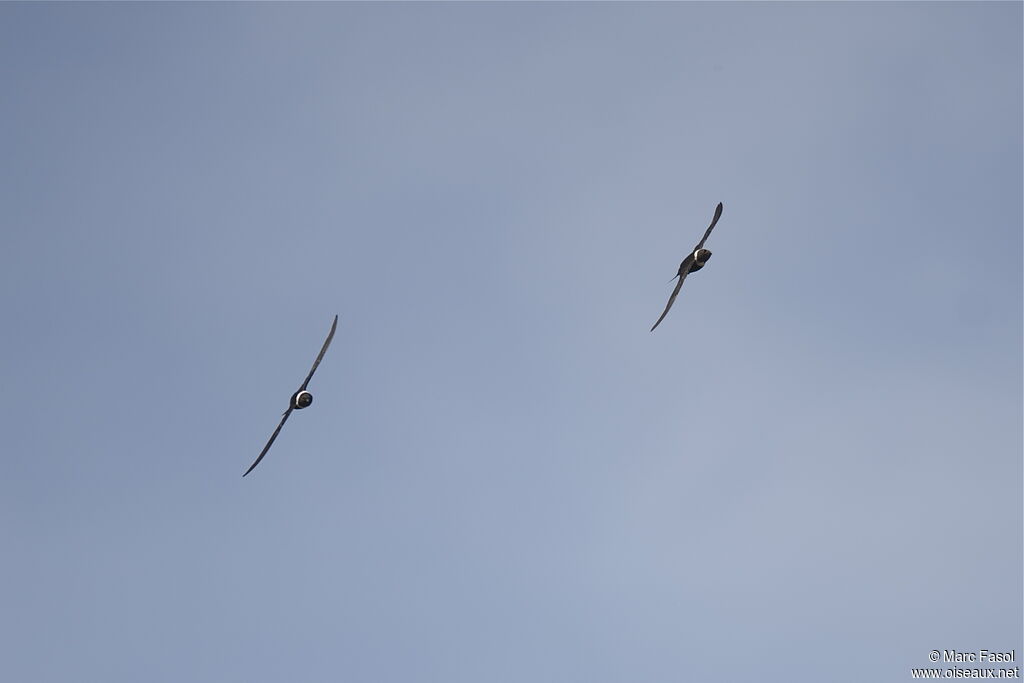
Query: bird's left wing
319	358
672	299
272	437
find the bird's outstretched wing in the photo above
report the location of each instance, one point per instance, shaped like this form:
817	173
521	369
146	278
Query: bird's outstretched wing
683	272
319	358
718	214
272	437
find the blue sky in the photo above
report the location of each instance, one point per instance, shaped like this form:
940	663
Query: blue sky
811	471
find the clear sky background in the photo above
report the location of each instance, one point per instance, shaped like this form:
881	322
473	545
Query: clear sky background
812	470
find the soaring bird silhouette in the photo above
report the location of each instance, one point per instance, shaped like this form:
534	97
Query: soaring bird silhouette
691	264
300	399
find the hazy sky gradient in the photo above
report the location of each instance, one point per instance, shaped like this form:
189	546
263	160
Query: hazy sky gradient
812	470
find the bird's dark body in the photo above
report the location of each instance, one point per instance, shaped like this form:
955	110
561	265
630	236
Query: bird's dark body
301	399
696	260
700	257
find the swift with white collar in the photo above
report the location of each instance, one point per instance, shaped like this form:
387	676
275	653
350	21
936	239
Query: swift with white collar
300	399
691	264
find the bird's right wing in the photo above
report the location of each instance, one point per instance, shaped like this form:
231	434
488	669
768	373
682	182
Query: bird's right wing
319	358
672	299
272	437
707	233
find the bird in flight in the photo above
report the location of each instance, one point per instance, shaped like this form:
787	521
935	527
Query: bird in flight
300	399
691	264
